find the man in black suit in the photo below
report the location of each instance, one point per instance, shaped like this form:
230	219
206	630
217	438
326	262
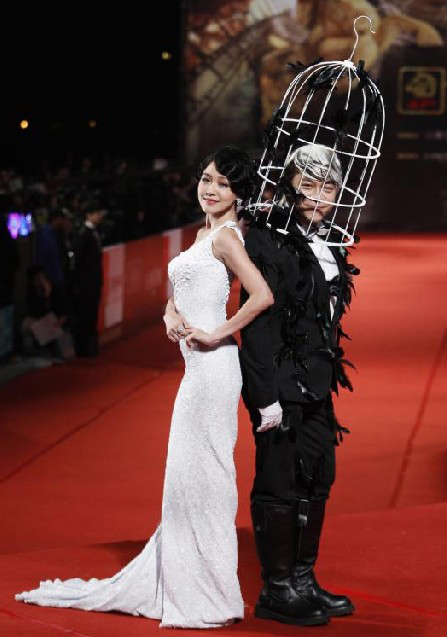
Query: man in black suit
87	280
291	362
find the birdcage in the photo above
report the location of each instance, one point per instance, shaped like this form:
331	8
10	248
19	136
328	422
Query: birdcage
333	106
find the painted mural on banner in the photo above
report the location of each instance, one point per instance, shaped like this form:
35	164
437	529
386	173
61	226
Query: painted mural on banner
235	58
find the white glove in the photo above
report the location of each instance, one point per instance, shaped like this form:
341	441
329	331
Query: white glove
271	417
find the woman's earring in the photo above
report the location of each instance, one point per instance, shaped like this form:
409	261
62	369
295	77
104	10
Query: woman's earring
238	204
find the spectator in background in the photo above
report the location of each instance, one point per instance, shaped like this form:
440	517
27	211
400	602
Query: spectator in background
65	241
141	200
9	262
87	280
49	247
44	328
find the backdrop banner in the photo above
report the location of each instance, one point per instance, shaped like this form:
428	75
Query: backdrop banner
235	59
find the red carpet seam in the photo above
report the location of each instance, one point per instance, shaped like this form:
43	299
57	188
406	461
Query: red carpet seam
78	428
385	602
417	425
40	622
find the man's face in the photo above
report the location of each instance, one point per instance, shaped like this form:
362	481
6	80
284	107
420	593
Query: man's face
311	189
96	217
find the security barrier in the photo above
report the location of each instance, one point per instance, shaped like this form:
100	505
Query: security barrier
136	285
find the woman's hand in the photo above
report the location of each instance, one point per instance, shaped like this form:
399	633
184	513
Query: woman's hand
196	336
176	326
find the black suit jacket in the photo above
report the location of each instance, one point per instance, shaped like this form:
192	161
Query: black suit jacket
291	351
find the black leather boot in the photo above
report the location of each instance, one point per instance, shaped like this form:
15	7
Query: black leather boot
310	520
274	528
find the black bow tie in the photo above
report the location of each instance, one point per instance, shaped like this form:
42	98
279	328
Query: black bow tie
321	231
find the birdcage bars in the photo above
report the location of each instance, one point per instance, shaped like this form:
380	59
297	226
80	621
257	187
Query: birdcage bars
364	147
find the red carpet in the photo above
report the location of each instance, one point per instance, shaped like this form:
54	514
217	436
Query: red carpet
82	450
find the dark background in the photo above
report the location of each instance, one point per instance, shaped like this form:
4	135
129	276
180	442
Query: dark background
65	63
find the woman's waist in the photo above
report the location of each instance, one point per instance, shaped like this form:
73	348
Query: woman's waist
208	323
226	348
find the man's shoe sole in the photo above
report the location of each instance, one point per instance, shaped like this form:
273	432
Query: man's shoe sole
266	613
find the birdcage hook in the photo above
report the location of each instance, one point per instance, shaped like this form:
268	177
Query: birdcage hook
357	35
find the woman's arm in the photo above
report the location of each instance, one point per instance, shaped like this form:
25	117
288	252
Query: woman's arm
174	320
228	248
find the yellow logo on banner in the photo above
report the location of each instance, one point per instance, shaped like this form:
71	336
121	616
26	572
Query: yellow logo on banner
421	90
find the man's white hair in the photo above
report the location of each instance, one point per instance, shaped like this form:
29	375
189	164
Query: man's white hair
318	162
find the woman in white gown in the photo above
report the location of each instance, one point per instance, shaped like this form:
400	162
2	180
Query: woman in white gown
186	576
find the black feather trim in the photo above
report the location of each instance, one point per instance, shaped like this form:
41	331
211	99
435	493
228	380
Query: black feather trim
324	79
338	429
299	67
363	75
296	66
351	268
341	334
271	129
306	391
301	132
338	121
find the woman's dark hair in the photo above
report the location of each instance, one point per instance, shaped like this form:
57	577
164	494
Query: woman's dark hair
236	166
286	194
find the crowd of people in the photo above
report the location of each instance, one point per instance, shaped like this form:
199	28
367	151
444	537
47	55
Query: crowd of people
141	199
73	214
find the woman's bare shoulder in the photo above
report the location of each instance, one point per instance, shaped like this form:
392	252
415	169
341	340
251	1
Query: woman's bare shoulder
226	241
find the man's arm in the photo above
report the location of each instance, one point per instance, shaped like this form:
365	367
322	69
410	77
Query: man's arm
256	351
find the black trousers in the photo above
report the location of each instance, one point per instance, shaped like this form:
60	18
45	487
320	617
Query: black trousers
296	460
86	325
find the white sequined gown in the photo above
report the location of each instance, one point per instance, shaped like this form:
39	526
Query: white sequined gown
186	576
